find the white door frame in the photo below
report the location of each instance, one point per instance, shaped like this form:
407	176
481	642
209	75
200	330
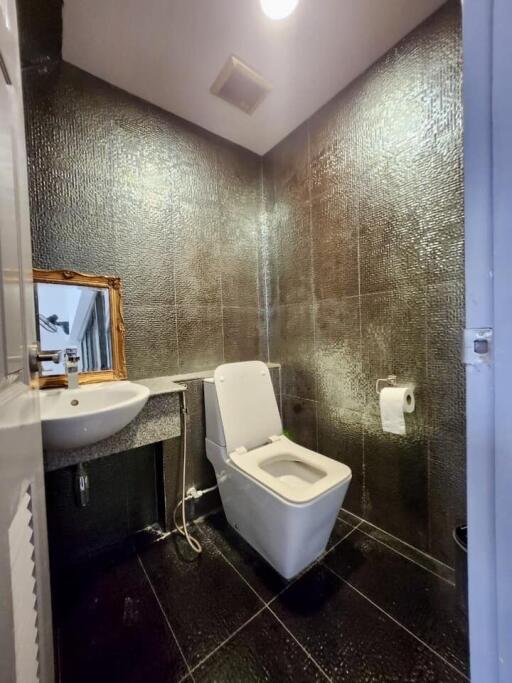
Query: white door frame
502	219
487	26
26	643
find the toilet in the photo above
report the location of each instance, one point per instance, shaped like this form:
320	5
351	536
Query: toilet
283	499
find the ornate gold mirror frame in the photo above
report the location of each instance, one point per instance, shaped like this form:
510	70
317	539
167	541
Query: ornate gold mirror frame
117	329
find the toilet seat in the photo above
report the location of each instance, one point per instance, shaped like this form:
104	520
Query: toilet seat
293	472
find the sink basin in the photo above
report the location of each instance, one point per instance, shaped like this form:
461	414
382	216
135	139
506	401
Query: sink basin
72	418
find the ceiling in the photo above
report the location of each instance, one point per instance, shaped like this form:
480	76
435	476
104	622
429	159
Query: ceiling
169	52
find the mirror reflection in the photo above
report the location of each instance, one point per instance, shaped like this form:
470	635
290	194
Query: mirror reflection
74	316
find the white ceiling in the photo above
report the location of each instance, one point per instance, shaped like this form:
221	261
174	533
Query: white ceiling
169	52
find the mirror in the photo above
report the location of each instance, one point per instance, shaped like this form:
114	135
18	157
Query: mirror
82	312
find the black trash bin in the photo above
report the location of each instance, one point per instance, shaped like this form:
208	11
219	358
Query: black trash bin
460	537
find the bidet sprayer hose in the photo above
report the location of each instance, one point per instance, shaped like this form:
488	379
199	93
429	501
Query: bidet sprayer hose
193	543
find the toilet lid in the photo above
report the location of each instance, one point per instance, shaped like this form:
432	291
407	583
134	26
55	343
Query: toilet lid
247	404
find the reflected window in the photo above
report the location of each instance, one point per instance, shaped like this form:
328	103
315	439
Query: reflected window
74	316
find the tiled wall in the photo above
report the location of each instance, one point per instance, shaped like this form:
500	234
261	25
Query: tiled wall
365	278
118	186
359	264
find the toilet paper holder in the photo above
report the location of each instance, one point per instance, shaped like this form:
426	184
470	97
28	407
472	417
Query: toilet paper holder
389	381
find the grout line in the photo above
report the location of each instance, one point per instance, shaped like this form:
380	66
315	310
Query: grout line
266	605
327	552
426	645
240	575
299	644
312	283
426	425
165	617
306	569
176	311
259	241
263	235
438	576
352	514
280	393
221	263
295	578
301	398
226	640
317	428
416	550
361	358
222	321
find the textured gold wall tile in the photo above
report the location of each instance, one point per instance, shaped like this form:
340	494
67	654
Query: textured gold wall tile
199	337
121	187
447	490
151	340
386	190
445	397
396	480
197	254
335	245
292	343
338	354
243	337
393	327
292	223
289	166
299	415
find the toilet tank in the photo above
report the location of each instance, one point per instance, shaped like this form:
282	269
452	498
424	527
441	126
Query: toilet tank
214	429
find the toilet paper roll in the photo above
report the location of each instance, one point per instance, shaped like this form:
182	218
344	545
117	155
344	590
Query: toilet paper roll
394	402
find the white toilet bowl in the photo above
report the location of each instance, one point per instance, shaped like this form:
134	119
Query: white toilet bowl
281	498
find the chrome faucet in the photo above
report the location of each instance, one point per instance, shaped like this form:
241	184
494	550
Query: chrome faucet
71	359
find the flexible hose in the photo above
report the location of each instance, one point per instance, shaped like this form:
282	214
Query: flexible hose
193	543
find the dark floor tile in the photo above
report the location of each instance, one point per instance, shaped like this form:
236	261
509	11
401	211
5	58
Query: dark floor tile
342	528
203	597
109	627
426	561
349	638
261	651
256	571
422	602
215	531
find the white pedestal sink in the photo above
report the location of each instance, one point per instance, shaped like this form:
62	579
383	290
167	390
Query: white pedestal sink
72	418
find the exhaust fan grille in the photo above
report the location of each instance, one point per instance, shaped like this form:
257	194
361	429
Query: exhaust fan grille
240	85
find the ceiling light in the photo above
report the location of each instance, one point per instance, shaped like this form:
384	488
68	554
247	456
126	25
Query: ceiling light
278	9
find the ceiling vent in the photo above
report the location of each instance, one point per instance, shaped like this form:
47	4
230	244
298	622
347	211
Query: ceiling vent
240	85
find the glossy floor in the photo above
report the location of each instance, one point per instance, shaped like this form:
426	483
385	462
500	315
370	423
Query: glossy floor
363	612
